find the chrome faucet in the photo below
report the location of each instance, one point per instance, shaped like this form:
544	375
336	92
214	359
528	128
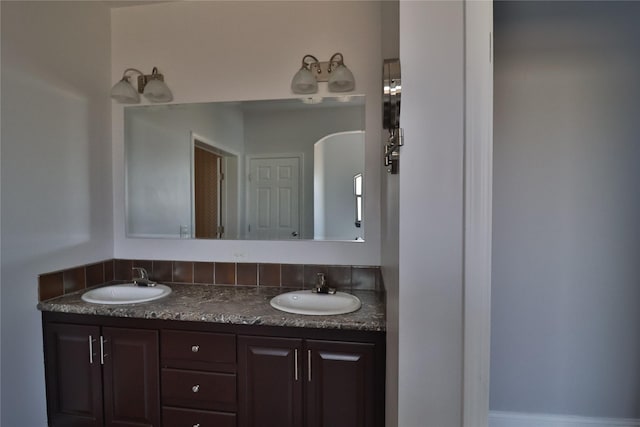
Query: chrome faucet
322	287
143	280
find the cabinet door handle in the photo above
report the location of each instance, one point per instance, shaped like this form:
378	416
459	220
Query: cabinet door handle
195	348
309	365
91	341
196	425
295	364
103	355
195	388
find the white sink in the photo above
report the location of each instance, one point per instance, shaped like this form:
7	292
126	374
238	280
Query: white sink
307	302
127	293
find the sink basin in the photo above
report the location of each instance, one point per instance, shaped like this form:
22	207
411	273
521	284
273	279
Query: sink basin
307	302
127	293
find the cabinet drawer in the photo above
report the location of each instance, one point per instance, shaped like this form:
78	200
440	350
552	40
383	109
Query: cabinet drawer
200	390
178	417
198	350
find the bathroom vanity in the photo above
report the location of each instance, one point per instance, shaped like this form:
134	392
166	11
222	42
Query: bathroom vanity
213	356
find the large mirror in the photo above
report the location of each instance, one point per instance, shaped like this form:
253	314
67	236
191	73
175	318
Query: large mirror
258	170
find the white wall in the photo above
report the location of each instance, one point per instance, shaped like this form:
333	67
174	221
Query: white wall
565	318
222	51
56	182
431	215
0	228
389	204
296	131
337	159
159	163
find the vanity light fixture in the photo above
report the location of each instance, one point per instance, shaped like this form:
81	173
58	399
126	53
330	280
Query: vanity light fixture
334	71
152	86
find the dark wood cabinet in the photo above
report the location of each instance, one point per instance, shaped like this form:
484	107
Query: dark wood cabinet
199	386
101	376
177	417
74	375
312	383
130	375
270	377
340	388
119	372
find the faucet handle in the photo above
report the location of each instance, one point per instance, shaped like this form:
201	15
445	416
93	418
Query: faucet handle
322	280
143	280
143	273
322	287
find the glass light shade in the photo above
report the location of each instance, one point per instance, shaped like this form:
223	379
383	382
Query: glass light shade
341	79
304	82
124	93
157	91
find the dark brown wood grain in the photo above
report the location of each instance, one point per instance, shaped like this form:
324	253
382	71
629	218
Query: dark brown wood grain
131	383
74	384
150	364
270	390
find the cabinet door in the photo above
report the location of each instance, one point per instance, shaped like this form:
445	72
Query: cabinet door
73	375
270	382
340	384
131	377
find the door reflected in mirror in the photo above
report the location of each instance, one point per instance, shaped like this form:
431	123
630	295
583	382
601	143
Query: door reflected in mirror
259	170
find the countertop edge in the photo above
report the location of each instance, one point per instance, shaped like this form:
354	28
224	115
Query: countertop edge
187	305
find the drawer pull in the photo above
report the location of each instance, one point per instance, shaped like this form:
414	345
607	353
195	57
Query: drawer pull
195	348
196	425
195	388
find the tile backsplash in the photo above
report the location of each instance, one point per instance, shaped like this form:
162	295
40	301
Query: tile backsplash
343	277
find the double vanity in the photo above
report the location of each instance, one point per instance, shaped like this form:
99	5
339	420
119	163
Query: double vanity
211	355
257	347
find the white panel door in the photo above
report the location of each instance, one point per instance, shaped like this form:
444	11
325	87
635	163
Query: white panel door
274	198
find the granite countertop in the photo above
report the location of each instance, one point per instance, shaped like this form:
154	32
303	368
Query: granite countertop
243	305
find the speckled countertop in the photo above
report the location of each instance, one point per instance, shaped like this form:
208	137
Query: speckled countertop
244	305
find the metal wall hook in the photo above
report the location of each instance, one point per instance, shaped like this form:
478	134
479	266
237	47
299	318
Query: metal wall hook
392	150
392	91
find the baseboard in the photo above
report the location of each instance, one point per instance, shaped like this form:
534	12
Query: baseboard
518	419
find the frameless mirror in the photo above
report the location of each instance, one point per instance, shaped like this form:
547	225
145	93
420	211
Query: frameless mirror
258	170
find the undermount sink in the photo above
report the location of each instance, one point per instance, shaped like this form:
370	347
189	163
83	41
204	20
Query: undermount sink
308	302
127	293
